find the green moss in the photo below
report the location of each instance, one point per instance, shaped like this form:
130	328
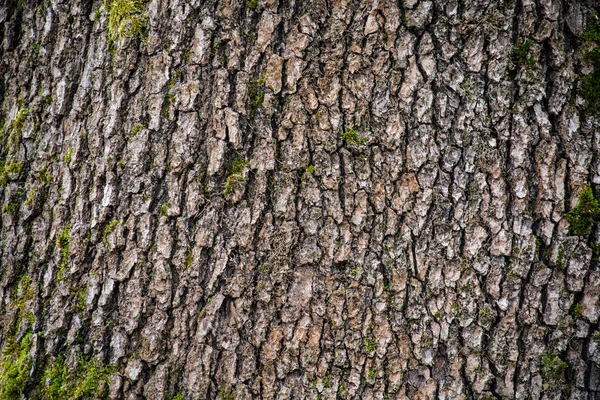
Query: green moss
188	259
226	394
136	129
171	83
13	168
351	136
520	53
553	367
369	344
560	259
19	121
577	309
485	316
582	216
126	19
371	373
89	380
62	242
236	175
44	176
467	88
110	228
186	56
30	197
169	99
595	251
163	209
16	364
69	156
464	287
25	293
11	208
252	4
590	83
256	95
53	380
327	380
78	300
309	171
63	239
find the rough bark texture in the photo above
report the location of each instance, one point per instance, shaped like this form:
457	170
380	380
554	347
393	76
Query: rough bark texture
288	200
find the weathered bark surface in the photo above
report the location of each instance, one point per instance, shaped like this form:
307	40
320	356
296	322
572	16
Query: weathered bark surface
426	257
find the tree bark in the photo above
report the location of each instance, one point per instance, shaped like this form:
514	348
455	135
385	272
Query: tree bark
287	200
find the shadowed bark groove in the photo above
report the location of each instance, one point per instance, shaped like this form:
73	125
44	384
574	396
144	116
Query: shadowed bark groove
287	200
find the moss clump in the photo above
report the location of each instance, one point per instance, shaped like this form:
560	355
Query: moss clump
30	197
590	83
16	364
25	293
189	259
69	156
252	4
256	95
164	209
126	19
13	168
236	175
582	216
19	121
16	126
136	129
371	374
520	53
226	394
327	380
553	367
89	380
110	228
351	136
62	242
11	208
44	176
308	171
560	259
77	300
369	344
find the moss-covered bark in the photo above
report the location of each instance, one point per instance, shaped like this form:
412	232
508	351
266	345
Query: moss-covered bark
282	199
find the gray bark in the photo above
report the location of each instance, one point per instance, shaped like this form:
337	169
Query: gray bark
322	200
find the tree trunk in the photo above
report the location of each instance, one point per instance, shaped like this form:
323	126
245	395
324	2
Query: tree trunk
288	200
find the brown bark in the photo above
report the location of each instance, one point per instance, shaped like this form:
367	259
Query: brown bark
300	199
